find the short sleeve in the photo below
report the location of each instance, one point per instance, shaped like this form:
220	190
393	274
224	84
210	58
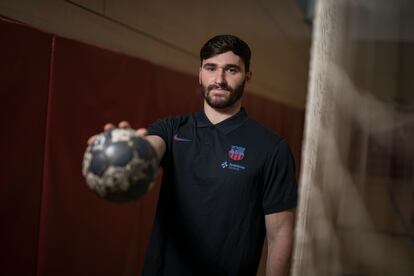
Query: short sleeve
164	129
161	128
280	185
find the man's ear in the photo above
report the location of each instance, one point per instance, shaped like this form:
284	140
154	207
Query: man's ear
248	76
199	76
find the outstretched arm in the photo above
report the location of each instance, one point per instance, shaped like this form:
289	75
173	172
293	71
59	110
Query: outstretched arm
158	144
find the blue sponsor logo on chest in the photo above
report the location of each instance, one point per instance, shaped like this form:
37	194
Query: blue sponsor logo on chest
232	166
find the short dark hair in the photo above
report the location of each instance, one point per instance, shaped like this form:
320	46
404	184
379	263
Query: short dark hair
224	43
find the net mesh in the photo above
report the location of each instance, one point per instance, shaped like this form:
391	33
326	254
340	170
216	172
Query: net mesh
356	209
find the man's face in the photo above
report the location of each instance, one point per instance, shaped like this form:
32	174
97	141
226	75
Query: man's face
222	79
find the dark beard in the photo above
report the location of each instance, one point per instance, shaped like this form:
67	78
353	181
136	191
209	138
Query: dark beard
235	94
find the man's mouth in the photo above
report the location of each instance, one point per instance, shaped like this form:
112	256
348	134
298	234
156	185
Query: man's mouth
220	92
219	89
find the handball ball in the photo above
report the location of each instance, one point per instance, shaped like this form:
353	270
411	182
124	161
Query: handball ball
119	165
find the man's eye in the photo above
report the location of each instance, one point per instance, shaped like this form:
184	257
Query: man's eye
232	70
211	69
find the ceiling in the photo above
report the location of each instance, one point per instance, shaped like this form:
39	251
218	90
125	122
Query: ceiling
275	29
171	33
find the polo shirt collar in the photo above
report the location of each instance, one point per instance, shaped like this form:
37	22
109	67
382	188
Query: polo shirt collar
225	126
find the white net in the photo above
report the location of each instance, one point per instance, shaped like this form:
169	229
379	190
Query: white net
356	210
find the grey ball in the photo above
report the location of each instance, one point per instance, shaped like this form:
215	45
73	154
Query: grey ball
119	165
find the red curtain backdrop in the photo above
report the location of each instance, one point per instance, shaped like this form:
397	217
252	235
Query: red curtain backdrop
24	73
55	94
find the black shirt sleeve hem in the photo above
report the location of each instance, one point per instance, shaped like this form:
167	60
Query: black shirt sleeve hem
290	204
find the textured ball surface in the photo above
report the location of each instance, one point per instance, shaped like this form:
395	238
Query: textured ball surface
119	165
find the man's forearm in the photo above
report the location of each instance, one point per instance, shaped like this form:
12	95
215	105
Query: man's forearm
279	256
279	233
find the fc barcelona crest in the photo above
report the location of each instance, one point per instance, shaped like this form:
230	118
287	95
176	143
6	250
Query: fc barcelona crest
236	153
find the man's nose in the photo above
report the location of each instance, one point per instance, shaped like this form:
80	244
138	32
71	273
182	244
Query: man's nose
219	77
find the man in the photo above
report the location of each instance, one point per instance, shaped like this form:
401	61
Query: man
227	180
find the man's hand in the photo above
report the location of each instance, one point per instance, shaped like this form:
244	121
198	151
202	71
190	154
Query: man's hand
157	142
123	124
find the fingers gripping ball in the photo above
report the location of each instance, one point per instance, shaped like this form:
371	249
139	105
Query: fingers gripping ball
119	165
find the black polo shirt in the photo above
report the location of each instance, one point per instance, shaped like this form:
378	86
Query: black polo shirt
219	182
